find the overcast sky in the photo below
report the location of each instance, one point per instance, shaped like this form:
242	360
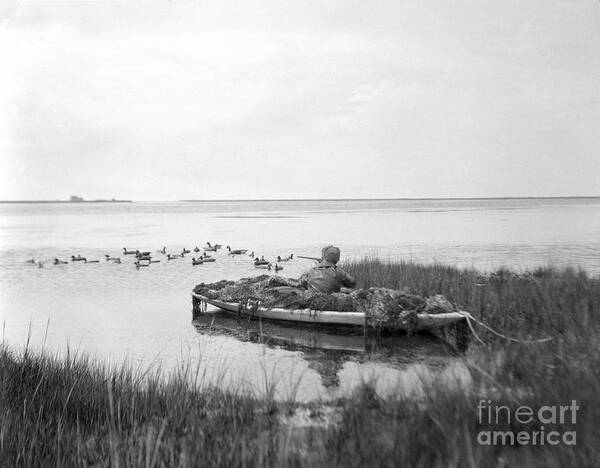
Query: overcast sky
176	99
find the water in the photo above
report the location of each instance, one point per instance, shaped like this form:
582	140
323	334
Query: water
115	312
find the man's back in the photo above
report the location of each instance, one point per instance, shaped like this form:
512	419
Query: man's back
326	277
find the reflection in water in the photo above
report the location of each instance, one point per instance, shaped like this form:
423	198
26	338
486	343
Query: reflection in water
337	354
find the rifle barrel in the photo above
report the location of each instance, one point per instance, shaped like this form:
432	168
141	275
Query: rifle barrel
309	258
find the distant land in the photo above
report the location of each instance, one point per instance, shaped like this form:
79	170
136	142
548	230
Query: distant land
76	199
72	199
391	199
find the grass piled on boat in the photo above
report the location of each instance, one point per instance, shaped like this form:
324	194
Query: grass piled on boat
383	306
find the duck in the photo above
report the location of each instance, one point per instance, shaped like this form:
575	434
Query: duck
185	251
207	258
79	258
139	254
236	251
285	259
172	257
215	247
59	262
263	266
262	261
205	255
197	262
278	268
128	252
196	249
162	251
210	248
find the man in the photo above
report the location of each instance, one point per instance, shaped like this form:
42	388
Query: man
326	277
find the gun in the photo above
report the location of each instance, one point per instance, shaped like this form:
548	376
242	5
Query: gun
309	258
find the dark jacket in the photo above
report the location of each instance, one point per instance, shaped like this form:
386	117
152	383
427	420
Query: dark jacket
326	277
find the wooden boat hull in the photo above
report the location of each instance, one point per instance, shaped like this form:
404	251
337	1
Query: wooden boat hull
325	317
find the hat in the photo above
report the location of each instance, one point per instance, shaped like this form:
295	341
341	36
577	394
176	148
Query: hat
330	254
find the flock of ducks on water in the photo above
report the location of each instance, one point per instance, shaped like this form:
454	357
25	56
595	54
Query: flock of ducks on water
144	259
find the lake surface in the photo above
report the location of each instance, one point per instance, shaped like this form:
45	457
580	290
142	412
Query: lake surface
115	312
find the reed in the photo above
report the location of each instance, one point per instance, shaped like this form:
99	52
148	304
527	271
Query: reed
73	411
543	302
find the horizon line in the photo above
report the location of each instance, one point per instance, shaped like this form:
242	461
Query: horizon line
309	199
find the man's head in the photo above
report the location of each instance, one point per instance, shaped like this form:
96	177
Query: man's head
330	254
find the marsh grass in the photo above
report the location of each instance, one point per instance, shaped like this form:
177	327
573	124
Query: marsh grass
542	302
72	411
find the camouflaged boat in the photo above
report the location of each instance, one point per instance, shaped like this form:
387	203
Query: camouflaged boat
254	310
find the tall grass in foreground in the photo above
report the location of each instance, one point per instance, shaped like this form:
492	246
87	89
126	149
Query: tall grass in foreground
73	412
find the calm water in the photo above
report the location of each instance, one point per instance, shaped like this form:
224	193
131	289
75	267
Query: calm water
116	312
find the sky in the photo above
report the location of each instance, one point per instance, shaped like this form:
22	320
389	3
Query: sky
170	100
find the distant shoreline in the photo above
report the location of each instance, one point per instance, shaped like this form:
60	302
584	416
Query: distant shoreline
250	200
66	201
393	199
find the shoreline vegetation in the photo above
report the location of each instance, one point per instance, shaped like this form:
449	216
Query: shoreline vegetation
73	411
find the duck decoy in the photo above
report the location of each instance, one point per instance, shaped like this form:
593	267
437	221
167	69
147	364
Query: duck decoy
128	252
59	262
79	258
236	251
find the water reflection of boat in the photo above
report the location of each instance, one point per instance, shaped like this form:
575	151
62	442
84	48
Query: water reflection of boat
327	350
451	327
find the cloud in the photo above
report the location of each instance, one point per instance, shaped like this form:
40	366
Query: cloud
172	100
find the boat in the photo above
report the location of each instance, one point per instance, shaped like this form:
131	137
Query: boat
321	317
